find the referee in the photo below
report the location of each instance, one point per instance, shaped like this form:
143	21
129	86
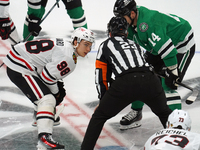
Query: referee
134	80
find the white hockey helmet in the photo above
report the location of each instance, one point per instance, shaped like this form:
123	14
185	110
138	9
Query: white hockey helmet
179	118
82	33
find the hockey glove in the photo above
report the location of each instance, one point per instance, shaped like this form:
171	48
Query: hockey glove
5	28
171	77
61	94
34	25
156	62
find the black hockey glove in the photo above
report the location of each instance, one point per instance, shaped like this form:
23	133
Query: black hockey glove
171	77
34	25
156	62
5	28
61	94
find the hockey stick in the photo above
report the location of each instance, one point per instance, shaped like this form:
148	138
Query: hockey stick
1	65
12	39
59	110
57	1
192	97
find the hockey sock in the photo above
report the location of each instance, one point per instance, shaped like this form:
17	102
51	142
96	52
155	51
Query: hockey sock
37	13
137	105
78	17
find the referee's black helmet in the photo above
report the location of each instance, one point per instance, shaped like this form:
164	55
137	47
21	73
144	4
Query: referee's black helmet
118	26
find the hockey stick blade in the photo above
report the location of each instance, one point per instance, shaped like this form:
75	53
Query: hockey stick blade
192	97
59	110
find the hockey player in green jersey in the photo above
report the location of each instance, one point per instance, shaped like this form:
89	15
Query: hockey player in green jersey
36	10
169	41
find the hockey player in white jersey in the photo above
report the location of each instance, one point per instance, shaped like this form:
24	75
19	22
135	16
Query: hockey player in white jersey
176	136
7	27
37	68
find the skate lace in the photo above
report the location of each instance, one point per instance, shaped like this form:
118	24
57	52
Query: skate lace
132	114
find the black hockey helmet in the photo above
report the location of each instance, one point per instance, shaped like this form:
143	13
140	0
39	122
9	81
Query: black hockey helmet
118	26
124	7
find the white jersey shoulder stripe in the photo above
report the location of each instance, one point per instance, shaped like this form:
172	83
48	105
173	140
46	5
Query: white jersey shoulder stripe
21	60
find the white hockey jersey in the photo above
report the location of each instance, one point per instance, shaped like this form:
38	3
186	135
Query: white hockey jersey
4	8
173	139
49	59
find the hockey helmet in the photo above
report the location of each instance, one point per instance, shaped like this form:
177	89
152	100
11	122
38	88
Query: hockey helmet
124	7
117	25
179	118
82	33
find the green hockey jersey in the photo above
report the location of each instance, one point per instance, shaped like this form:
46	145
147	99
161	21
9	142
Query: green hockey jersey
160	33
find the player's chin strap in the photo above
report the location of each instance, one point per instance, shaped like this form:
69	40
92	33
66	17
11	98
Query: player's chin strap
75	50
132	20
75	46
78	40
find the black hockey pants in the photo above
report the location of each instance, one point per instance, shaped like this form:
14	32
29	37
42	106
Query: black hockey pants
31	86
144	86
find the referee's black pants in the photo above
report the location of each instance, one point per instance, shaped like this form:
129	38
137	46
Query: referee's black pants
144	86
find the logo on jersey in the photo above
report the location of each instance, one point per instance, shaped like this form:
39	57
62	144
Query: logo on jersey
74	58
59	42
143	27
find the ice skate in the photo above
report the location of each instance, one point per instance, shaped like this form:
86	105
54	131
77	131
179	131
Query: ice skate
131	120
46	142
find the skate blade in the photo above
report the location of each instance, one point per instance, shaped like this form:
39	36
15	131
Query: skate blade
41	147
44	148
133	125
49	149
